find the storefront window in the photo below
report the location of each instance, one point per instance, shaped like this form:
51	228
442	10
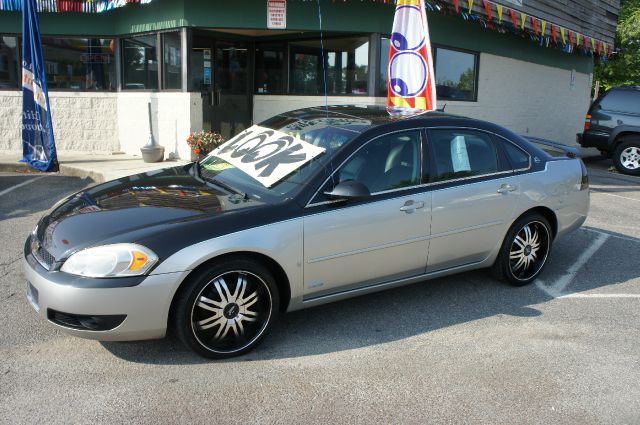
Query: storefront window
171	61
79	63
269	73
346	63
455	74
9	73
140	63
384	63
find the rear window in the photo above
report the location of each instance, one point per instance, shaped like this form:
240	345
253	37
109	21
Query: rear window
621	100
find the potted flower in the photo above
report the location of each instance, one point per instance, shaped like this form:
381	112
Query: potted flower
203	142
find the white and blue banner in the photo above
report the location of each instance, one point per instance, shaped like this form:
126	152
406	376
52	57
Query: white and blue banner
38	144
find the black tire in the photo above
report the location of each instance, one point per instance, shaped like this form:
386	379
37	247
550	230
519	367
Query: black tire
226	309
520	260
626	157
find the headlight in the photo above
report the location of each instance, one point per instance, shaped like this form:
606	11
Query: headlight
116	260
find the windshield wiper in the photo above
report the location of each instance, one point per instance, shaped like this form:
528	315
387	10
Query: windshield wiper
221	184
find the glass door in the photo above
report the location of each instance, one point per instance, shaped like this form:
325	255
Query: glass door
221	71
232	99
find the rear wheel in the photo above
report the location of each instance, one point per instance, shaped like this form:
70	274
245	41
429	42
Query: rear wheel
626	157
227	309
524	251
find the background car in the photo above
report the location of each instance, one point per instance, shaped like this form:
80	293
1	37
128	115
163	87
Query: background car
215	251
612	125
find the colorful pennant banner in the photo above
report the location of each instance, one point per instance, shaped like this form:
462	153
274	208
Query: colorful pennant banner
82	6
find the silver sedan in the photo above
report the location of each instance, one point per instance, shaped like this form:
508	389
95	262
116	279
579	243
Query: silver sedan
308	207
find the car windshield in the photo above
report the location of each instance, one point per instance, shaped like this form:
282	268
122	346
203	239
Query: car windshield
328	133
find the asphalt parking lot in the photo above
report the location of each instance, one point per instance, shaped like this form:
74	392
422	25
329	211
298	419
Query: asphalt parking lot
461	349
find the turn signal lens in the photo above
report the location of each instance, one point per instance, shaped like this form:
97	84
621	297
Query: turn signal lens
117	260
138	261
587	122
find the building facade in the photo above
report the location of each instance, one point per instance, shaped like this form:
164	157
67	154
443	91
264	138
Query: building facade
217	65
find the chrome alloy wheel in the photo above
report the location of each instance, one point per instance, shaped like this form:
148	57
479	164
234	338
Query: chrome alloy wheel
630	158
529	250
231	312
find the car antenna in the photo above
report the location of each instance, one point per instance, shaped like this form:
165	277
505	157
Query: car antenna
324	70
443	106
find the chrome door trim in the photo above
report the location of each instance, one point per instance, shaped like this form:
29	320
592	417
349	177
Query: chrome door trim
423	185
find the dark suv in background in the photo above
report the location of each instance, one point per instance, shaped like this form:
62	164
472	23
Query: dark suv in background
612	125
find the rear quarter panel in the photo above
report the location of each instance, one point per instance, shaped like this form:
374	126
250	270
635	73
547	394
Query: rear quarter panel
556	187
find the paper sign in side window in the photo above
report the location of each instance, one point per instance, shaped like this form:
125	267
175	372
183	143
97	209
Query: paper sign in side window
459	155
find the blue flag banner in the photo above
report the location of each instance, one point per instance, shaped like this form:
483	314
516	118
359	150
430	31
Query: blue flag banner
38	144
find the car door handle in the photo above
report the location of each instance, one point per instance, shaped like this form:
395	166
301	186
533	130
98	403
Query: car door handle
410	206
506	188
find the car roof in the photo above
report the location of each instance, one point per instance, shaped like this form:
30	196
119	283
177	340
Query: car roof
362	118
377	114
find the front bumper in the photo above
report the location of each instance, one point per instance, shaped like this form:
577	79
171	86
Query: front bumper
146	305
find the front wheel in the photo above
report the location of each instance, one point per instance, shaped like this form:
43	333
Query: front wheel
626	157
524	251
227	309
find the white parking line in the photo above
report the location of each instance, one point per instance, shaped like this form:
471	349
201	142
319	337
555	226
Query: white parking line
555	290
600	296
4	192
600	232
617	196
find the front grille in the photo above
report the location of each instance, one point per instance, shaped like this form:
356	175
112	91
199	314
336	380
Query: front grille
43	256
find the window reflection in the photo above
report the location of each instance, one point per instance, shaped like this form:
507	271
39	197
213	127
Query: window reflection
346	63
455	74
171	61
139	63
384	63
9	76
269	72
79	63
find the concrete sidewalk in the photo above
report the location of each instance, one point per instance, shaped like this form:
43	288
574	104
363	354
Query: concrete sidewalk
99	168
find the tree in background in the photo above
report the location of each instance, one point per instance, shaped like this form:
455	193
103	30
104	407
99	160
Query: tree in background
624	68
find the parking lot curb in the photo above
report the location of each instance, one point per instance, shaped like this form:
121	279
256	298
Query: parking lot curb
65	170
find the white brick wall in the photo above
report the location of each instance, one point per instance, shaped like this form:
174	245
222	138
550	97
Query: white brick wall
81	121
108	122
525	97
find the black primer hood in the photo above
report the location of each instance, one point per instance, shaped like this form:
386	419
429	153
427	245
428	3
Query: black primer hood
168	206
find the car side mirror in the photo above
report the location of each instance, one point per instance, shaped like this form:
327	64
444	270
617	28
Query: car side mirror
349	190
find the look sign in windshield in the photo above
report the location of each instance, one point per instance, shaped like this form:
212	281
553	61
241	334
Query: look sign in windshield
267	155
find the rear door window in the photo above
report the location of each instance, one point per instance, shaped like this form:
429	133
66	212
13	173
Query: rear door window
460	153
